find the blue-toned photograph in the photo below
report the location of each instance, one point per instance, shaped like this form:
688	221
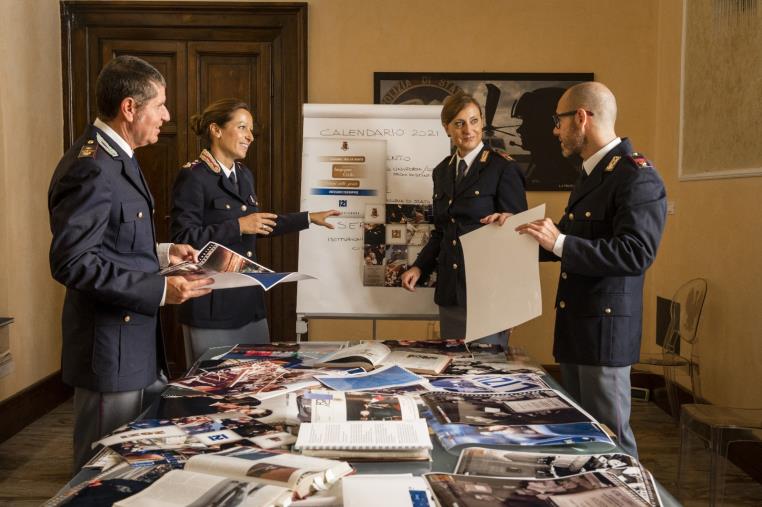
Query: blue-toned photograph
385	377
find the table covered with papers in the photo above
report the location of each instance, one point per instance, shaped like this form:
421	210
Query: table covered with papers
419	423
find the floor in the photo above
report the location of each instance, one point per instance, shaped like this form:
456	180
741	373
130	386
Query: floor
36	462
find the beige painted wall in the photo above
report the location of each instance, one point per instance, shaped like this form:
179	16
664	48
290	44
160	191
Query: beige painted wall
715	234
31	126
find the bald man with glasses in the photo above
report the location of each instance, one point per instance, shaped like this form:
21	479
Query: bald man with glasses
605	241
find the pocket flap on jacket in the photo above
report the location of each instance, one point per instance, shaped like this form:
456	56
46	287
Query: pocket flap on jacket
134	210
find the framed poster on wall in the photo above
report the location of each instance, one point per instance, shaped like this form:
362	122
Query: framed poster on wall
518	109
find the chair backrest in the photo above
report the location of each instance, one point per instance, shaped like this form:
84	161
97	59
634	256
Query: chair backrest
685	315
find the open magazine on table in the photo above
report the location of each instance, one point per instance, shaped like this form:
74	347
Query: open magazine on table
536	466
230	269
372	355
221	478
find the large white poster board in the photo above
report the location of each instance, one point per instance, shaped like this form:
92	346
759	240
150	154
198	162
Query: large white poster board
503	273
357	159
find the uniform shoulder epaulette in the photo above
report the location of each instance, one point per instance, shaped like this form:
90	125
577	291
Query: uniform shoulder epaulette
639	160
503	154
88	150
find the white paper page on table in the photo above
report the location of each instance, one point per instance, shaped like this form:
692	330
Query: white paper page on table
365	435
503	273
179	488
402	490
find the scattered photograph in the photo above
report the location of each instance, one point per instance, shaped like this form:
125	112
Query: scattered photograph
591	489
524	408
532	465
453	436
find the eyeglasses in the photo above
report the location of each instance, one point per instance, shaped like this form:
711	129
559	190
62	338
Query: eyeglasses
557	117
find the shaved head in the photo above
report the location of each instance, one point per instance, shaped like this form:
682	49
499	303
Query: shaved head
595	97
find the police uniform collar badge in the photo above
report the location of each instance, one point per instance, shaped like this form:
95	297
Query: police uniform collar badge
88	149
251	200
484	157
612	163
106	147
210	161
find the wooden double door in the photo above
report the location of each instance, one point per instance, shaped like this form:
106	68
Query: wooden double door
206	51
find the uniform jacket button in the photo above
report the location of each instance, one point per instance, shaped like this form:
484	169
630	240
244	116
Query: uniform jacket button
476	192
126	318
452	220
449	201
243	207
454	266
588	214
564	275
227	206
140	214
249	253
571	216
562	304
454	243
607	310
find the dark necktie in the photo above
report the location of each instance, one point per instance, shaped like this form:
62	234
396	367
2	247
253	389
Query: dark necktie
233	180
462	166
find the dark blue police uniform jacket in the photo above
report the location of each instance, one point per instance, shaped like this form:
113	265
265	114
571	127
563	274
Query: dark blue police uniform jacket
104	252
206	206
613	222
493	184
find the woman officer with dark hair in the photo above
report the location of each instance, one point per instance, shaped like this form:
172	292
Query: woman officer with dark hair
471	188
213	199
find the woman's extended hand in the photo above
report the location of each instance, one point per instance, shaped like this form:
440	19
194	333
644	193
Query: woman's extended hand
319	217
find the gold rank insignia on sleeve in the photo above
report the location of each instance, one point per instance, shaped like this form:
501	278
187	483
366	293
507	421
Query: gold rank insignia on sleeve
612	163
640	160
88	150
485	156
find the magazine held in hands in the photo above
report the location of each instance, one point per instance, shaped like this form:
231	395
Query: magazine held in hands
230	269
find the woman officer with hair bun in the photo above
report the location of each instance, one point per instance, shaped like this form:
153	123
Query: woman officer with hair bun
213	199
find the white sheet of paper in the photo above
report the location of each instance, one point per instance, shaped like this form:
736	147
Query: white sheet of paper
503	276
